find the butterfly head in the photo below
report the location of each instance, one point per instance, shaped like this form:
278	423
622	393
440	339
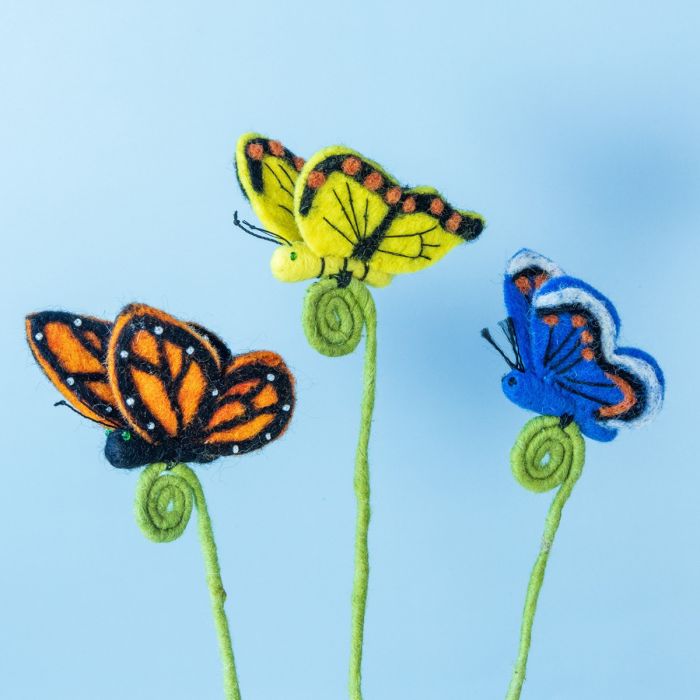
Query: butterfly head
295	262
126	450
520	386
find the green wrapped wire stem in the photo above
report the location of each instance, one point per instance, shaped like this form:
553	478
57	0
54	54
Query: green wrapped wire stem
164	500
544	456
333	318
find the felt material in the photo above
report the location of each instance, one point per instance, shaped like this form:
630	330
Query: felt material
267	172
164	499
545	456
333	319
170	391
351	218
564	335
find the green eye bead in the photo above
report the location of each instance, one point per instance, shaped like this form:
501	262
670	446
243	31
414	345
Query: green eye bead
293	255
126	435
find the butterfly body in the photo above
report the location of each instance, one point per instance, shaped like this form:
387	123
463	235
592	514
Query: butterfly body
564	334
167	391
341	214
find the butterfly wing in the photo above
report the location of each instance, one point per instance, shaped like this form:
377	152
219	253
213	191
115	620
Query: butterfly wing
267	173
71	349
526	272
255	404
349	206
574	331
164	374
221	348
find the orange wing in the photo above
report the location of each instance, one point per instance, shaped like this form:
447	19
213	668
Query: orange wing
255	404
164	374
71	349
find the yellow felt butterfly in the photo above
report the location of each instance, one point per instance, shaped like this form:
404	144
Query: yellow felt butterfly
342	215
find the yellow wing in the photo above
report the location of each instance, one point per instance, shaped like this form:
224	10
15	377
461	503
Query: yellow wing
267	173
349	206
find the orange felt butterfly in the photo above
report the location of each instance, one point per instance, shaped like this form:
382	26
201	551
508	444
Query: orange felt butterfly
168	391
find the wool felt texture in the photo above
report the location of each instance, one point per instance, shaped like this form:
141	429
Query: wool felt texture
333	319
545	456
168	391
341	214
564	334
164	499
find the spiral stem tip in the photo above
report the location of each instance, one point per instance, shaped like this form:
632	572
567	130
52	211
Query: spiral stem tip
164	500
545	455
333	316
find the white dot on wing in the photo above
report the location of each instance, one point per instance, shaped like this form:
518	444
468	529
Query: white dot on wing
151	425
70	381
39	336
286	407
130	401
124	354
270	377
189	350
158	330
235	449
268	436
77	322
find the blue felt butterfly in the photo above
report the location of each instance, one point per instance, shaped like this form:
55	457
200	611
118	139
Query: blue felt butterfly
567	362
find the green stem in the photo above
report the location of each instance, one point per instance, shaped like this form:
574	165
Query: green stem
333	318
362	491
543	457
164	499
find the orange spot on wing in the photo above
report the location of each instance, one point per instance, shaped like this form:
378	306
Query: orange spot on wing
267	397
541	279
154	396
243	432
255	151
452	224
227	412
145	346
351	166
173	355
92	338
189	397
316	179
69	351
586	337
578	321
393	194
629	398
437	206
551	319
243	388
102	390
587	354
409	205
299	162
276	148
264	357
523	284
373	181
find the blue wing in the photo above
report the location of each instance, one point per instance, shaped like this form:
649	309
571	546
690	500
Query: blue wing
526	272
573	339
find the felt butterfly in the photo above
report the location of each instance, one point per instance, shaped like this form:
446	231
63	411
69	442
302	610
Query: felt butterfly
167	391
341	215
567	362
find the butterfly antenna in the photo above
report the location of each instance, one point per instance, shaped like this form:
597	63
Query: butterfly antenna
486	335
67	405
250	230
508	328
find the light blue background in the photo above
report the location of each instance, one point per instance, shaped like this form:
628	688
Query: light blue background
572	126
